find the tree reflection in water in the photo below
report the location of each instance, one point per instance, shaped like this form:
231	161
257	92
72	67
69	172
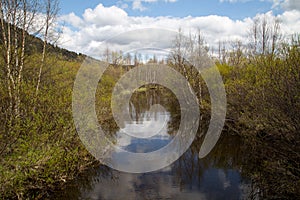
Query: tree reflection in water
217	176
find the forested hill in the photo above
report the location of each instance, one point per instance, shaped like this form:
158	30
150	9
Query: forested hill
35	45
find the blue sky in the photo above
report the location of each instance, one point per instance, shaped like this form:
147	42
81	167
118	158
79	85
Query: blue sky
87	23
179	8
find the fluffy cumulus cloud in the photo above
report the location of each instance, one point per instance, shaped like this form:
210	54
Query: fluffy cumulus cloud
290	22
94	30
102	16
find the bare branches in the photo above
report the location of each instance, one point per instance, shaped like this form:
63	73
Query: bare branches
17	17
51	10
264	36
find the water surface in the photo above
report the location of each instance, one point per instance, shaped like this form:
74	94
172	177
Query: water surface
217	176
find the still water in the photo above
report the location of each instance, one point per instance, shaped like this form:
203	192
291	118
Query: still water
217	176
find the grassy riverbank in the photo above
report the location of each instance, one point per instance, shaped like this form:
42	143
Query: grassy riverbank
41	151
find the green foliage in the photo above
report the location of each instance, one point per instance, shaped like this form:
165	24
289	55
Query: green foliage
263	106
265	94
42	150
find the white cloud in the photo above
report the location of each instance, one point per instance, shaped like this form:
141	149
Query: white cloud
283	4
74	20
290	22
86	33
138	4
102	16
122	5
291	5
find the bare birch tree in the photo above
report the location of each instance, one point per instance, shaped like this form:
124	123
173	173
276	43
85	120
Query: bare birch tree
51	11
264	36
16	17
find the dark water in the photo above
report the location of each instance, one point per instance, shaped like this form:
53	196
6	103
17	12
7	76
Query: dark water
217	176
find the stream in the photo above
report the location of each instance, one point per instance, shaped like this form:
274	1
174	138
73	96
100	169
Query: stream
217	176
